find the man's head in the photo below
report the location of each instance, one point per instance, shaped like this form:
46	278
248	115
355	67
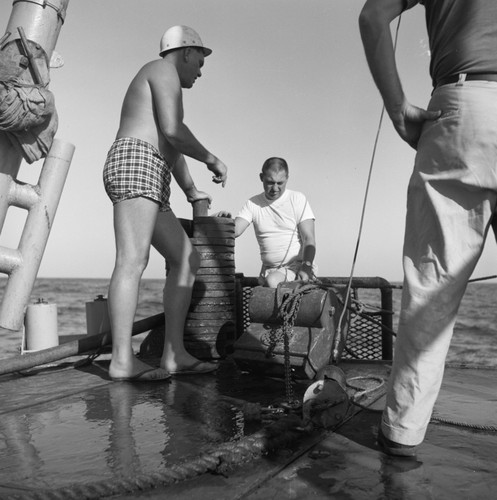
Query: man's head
184	46
274	177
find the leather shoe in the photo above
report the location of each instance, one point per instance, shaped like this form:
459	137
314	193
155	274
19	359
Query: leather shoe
395	449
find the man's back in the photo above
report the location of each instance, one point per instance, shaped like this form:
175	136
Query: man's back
139	117
463	37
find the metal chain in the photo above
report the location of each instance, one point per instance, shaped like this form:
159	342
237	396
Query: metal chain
288	322
272	338
288	310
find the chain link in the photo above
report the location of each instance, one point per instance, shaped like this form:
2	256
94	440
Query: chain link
288	310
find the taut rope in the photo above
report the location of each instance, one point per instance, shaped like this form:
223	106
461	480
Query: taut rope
335	352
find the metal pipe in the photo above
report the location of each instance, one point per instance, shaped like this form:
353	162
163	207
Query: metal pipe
361	282
23	195
87	343
386	291
387	324
10	161
200	208
35	234
40	20
10	259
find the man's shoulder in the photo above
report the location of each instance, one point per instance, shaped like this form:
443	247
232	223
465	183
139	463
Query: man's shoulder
296	195
254	204
257	199
158	68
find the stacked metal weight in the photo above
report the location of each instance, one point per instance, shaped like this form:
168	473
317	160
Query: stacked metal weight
210	323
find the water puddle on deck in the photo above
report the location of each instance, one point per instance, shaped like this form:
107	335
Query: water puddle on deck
121	430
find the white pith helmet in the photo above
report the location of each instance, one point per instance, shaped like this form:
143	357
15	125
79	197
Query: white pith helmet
181	36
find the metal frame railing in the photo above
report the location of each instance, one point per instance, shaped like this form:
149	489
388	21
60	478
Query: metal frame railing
382	329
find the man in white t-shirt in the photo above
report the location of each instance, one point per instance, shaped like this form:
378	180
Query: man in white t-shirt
284	226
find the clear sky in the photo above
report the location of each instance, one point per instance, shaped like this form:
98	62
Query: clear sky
286	78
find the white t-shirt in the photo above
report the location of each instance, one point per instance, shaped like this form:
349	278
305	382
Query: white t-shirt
275	225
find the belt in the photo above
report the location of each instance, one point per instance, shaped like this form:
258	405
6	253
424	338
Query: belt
489	77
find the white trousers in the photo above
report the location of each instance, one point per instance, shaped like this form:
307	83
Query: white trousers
451	198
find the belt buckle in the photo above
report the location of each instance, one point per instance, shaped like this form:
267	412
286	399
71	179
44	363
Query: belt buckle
461	79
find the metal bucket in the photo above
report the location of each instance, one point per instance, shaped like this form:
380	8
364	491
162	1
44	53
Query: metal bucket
97	316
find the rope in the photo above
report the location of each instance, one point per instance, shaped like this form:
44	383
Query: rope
472	280
440	420
349	285
361	392
476	427
364	307
434	419
283	432
482	278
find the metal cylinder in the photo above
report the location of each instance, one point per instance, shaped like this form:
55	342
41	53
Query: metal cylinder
97	316
200	208
40	326
315	308
40	20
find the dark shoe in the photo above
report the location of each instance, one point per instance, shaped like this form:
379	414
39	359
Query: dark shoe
395	449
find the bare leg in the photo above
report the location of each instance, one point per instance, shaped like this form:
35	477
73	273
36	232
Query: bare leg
275	278
173	244
134	221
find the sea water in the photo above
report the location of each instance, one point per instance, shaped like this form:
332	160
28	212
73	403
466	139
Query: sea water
475	333
71	295
474	341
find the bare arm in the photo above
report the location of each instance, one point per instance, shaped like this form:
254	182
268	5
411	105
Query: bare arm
374	25
185	182
168	103
240	223
308	237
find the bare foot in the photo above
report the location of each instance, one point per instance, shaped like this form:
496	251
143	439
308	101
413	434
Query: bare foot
121	371
186	364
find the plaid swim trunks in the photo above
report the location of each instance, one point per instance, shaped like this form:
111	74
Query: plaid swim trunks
134	168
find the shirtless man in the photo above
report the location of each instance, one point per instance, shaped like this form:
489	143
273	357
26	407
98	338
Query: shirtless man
149	147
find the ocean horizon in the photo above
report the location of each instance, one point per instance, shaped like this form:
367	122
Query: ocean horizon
474	341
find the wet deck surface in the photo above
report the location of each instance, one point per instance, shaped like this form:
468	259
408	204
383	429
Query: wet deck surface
66	429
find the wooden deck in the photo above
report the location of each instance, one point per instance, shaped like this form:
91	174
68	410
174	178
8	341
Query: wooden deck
73	432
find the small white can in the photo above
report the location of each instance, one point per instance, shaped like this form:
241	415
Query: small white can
40	326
